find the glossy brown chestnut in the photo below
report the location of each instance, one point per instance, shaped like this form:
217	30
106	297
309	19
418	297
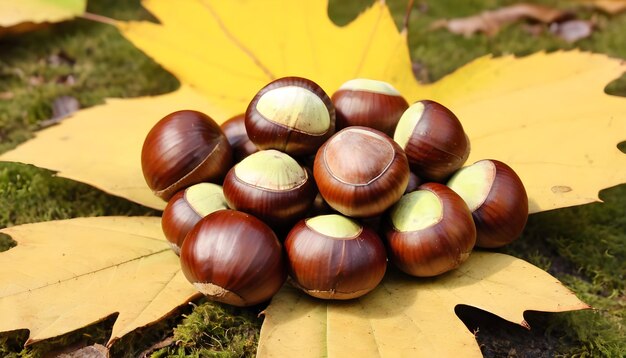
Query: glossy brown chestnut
235	131
433	139
368	103
291	114
186	208
361	172
272	186
429	231
334	257
414	183
233	257
184	148
497	198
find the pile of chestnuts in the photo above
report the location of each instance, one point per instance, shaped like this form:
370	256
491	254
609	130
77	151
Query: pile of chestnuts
325	191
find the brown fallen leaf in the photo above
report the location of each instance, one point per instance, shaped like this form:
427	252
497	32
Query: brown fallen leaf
611	7
490	22
94	351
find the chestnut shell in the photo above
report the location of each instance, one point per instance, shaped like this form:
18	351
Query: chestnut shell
437	146
234	258
359	107
278	208
184	148
332	268
502	216
439	247
179	215
361	172
268	134
235	131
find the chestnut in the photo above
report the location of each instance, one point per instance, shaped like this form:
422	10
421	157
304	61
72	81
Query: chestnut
235	131
497	198
429	231
368	103
361	172
184	148
234	258
291	114
186	208
272	186
334	257
414	183
433	139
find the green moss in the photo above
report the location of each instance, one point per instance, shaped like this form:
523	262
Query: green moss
215	330
30	194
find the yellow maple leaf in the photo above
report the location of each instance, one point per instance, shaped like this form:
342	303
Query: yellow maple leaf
64	275
13	13
531	113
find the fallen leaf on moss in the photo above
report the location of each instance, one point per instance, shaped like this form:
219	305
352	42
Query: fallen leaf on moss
64	275
491	22
407	316
19	16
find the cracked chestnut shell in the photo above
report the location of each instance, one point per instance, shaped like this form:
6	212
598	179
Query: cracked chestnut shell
186	208
368	103
361	172
429	231
334	257
497	198
433	139
272	186
235	131
291	114
184	148
234	258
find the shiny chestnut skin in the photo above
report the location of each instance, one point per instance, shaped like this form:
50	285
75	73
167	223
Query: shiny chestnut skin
184	148
235	131
272	186
497	198
429	231
334	257
368	103
414	183
186	208
234	258
433	139
361	172
291	114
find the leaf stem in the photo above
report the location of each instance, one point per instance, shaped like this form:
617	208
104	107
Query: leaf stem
407	16
99	18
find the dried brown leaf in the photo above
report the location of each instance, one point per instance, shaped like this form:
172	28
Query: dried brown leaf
490	22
